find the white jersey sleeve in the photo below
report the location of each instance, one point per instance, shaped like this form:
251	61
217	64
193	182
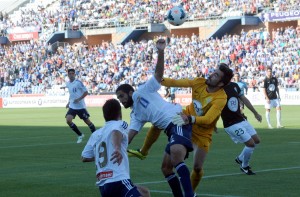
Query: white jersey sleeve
135	124
151	85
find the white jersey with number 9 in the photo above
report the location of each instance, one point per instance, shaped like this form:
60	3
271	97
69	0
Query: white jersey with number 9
101	147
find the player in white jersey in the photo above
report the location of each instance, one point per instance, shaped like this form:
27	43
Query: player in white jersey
108	148
148	106
76	104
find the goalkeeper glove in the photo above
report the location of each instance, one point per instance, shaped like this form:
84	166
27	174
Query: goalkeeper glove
182	119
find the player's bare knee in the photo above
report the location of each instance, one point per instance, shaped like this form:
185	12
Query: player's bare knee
178	153
87	121
69	122
197	169
257	141
166	170
69	119
176	159
250	143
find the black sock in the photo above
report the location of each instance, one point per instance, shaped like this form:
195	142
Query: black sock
175	185
75	129
92	127
185	180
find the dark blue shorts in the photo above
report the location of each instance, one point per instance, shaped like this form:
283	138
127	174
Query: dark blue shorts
124	188
81	113
179	135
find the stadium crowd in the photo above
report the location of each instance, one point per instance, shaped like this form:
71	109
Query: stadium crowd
48	16
32	67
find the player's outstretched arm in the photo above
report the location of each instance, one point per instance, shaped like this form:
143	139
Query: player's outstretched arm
159	69
131	135
250	107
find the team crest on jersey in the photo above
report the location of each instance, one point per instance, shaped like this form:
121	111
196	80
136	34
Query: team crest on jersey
198	108
233	104
271	87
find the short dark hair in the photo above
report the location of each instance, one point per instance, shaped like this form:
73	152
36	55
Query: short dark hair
228	73
125	88
111	110
71	70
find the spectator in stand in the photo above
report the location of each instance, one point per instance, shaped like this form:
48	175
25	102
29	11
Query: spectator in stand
108	64
253	84
173	94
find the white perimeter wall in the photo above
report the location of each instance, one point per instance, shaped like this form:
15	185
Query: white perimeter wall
256	98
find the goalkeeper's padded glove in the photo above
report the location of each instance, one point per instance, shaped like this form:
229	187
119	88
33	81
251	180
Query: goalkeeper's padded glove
182	119
192	119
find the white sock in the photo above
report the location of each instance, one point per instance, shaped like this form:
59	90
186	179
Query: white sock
247	152
278	116
268	117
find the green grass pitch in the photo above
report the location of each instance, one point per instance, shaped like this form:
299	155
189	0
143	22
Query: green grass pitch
39	157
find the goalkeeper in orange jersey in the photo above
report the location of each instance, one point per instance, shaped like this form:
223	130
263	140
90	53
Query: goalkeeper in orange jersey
208	101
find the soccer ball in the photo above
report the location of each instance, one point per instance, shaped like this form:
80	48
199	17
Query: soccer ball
176	16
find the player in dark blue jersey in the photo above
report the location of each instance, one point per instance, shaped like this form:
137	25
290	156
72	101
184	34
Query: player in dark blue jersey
272	97
237	127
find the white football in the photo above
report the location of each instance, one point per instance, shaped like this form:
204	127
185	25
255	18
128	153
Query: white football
176	16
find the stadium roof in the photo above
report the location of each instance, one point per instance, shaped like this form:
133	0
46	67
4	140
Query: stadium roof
10	5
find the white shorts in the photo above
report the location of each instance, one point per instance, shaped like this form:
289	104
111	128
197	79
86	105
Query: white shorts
274	103
240	132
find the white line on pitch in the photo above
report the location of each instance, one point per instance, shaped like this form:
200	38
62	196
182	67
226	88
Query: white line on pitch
33	145
32	137
213	176
214	195
232	174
